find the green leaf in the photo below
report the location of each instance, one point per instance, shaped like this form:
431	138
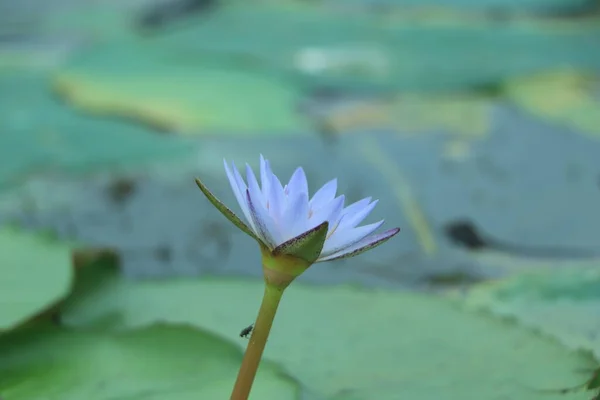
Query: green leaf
323	47
41	134
230	215
460	114
353	343
563	301
153	86
306	246
35	273
158	362
561	97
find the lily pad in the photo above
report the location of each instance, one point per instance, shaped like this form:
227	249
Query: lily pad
41	134
158	362
566	98
327	48
185	95
344	342
562	302
35	273
514	6
463	115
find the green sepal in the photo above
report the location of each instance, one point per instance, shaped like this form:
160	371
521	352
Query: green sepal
594	382
306	246
230	215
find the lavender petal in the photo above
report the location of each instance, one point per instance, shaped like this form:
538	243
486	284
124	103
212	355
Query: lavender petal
352	219
324	195
239	188
367	243
295	218
276	198
329	212
297	183
261	221
343	239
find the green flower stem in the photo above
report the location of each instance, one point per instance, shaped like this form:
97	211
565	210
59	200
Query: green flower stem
258	340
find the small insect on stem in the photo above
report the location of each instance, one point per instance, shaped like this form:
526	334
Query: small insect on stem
246	331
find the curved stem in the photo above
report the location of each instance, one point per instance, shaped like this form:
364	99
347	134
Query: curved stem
256	345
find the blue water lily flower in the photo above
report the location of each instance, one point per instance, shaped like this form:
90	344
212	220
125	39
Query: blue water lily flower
285	220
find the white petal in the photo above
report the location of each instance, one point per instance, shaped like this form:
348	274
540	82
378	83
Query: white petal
354	217
239	189
362	245
297	183
276	198
262	220
336	214
257	196
357	206
346	238
325	194
265	179
295	218
329	212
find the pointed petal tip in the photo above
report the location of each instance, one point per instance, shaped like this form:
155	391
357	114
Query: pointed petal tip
368	243
259	218
322	225
229	166
223	209
386	235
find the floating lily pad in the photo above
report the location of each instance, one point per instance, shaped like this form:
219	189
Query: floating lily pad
35	273
322	47
538	6
462	115
352	343
87	21
181	94
41	134
563	301
158	362
565	98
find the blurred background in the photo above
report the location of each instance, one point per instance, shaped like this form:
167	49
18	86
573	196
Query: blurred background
476	123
